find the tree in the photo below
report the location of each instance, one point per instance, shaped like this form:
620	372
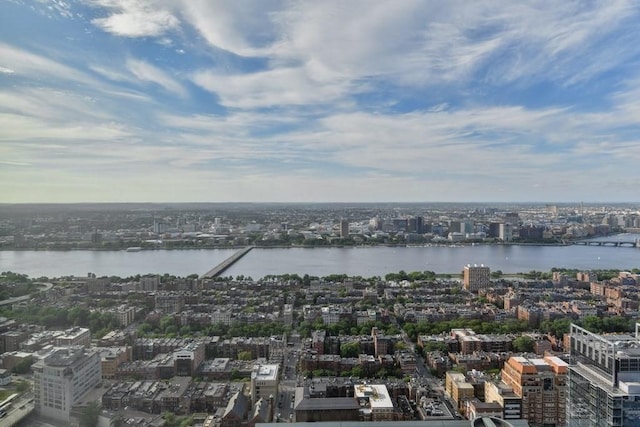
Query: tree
89	415
523	344
400	346
235	374
244	355
350	349
23	367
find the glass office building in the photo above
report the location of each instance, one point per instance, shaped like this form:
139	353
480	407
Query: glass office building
604	379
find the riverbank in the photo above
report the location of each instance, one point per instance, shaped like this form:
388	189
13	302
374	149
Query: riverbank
58	248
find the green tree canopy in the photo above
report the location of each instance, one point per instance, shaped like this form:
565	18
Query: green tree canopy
523	344
89	415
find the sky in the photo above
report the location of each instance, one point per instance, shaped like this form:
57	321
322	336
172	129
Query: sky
319	101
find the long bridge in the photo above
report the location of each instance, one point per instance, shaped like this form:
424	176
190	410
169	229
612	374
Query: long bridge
629	244
220	268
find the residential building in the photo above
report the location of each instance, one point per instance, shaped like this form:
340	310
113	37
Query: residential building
188	359
458	389
541	384
74	336
111	358
476	277
503	395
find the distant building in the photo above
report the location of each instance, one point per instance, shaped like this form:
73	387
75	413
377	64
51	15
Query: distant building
476	277
344	228
415	225
124	314
188	359
111	358
505	232
62	379
149	283
74	336
169	303
494	229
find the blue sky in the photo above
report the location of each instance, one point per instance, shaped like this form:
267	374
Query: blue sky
286	101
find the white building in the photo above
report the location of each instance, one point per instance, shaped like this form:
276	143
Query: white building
375	402
505	232
62	379
74	336
223	317
264	382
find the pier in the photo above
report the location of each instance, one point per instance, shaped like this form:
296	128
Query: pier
220	268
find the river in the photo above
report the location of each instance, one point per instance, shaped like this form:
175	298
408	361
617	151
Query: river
355	261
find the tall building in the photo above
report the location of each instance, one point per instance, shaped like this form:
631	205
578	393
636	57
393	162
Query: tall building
476	277
541	384
344	228
62	379
416	224
505	232
604	379
264	382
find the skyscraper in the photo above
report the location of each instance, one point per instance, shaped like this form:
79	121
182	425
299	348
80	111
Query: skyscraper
344	228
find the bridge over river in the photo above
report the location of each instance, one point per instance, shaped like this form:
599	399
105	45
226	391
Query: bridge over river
629	244
220	268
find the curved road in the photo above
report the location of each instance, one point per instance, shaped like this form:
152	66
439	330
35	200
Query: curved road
47	286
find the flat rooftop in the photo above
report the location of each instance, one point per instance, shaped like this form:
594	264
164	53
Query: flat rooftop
266	372
376	394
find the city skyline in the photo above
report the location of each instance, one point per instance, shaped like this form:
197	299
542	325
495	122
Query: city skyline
267	101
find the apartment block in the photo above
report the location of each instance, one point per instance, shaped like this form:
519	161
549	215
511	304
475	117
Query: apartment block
476	277
541	383
74	336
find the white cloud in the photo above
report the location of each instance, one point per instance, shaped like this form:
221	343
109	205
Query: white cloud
136	18
245	28
37	67
278	87
147	72
330	100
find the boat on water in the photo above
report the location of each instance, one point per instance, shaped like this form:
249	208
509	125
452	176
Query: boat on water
134	249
